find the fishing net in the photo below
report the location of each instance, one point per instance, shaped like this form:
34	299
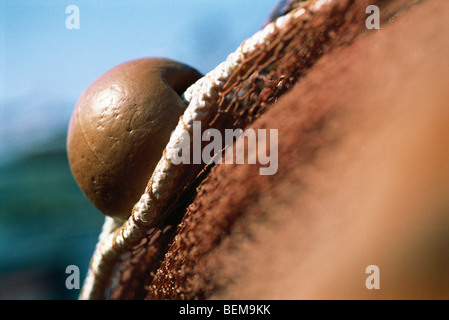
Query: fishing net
129	259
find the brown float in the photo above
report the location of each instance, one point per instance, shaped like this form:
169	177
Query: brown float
120	127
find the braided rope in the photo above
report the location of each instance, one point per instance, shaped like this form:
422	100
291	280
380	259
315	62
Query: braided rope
203	97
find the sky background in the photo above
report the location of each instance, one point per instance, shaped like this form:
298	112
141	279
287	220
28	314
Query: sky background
46	223
45	67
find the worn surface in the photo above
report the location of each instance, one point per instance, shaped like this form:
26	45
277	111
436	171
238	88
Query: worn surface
120	127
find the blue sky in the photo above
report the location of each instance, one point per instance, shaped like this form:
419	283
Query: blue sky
44	67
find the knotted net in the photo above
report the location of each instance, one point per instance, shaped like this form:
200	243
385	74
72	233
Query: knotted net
233	95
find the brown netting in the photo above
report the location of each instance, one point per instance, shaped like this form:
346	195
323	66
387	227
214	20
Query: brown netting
264	77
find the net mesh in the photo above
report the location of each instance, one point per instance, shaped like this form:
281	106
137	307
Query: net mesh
267	72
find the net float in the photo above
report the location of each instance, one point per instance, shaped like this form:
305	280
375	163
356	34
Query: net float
120	127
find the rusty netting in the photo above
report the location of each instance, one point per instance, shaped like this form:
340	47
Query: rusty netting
266	73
